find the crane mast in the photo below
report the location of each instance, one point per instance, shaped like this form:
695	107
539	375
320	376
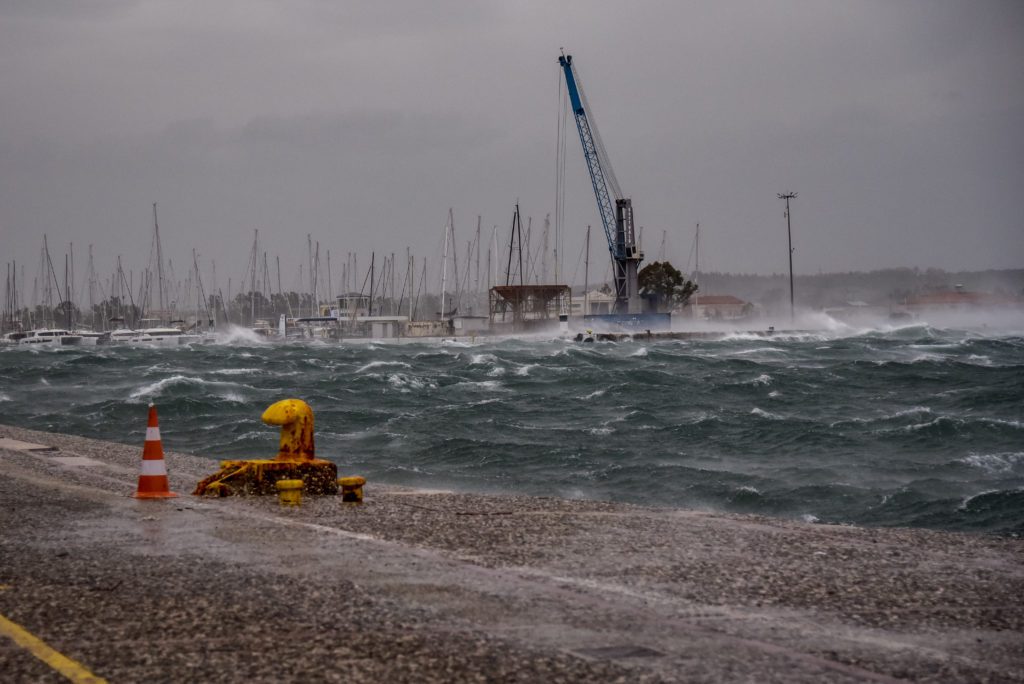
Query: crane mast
616	211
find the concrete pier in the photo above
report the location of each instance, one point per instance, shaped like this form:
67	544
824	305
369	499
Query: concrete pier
418	586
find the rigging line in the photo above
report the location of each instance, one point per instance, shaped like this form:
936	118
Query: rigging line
689	258
577	269
558	165
565	124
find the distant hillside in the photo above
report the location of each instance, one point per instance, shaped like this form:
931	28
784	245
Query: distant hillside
888	286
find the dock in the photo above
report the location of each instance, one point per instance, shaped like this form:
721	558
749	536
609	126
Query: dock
432	586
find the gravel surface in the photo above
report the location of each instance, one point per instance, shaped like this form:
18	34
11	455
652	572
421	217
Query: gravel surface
430	586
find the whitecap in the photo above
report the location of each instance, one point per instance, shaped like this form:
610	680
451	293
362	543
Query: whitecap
762	379
486	384
1003	462
765	414
594	394
406	383
809	518
928	358
642	351
158	386
524	371
236	334
496	372
381	364
478	359
1000	421
913	411
758	350
921	426
604	430
774	394
236	371
4	397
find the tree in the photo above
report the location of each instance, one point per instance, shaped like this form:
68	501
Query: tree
666	283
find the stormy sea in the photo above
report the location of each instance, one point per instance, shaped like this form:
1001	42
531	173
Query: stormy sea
890	426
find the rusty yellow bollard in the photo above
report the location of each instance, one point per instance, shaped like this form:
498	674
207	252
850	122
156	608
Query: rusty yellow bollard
352	489
295	460
296	420
289	492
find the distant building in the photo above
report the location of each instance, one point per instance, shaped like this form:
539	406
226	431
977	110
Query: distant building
959	299
717	307
592	303
353	304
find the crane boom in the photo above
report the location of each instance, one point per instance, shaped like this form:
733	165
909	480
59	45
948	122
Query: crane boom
617	220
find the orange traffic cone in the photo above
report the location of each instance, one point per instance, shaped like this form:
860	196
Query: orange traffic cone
153	476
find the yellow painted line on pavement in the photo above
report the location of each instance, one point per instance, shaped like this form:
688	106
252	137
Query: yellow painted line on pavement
72	669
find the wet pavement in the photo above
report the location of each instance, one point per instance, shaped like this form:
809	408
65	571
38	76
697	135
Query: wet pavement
425	586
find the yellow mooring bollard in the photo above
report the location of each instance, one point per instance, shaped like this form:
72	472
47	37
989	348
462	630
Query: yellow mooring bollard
289	492
295	460
352	489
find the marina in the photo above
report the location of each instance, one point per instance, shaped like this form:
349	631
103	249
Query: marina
340	343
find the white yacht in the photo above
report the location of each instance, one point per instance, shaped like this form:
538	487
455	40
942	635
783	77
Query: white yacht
91	338
162	337
52	336
121	335
13	337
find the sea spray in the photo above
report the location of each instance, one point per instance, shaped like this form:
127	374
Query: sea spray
912	425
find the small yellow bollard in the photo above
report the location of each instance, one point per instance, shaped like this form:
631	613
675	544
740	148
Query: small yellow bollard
289	492
352	488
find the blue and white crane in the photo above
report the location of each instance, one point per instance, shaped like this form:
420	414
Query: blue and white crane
618	219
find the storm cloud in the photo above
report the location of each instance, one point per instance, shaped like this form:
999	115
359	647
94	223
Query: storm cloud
899	125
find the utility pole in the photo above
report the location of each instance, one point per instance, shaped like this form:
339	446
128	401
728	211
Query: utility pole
789	234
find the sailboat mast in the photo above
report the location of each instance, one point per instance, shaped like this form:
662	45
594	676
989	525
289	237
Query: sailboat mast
316	280
69	278
309	245
252	276
46	250
159	261
455	262
444	265
67	296
586	277
696	269
476	284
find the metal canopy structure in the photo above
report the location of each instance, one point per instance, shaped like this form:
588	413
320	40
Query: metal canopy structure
524	304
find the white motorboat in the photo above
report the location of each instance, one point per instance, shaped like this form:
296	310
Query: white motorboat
121	335
52	336
91	338
162	337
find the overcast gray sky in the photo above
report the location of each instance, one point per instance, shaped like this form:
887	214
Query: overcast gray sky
900	125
